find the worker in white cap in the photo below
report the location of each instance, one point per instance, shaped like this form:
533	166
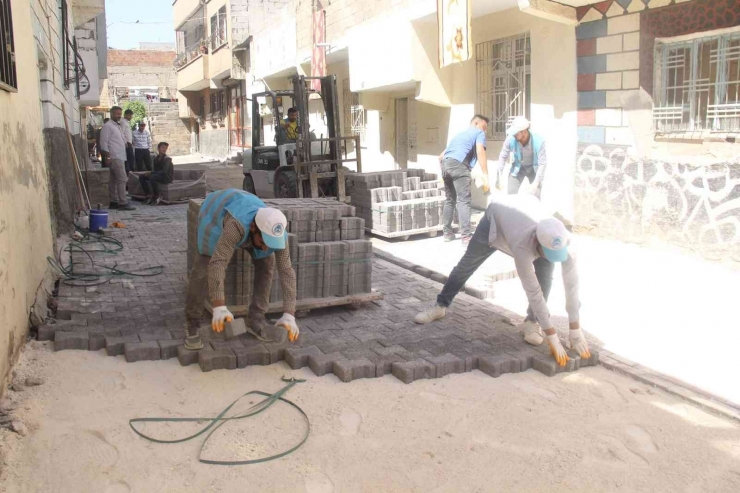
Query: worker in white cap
518	226
231	219
530	157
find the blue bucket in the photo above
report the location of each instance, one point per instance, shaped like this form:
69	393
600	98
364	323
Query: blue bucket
98	220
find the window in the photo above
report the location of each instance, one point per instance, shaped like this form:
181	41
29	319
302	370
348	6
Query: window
218	106
354	113
503	85
8	80
697	85
218	29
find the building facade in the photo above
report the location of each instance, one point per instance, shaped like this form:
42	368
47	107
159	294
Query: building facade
658	122
46	74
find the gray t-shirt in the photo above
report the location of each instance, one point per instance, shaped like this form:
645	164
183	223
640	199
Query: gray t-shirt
512	228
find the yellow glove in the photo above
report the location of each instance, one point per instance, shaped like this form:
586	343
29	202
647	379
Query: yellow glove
287	321
221	315
486	187
579	344
557	350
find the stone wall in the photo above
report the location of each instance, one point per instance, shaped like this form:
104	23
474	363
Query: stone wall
127	68
63	194
214	143
631	183
166	125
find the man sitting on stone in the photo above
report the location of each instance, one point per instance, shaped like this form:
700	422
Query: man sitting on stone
163	174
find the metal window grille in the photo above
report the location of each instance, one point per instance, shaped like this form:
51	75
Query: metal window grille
503	81
8	78
354	113
65	43
697	85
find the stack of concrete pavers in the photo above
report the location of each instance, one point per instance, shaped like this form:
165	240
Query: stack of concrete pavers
339	265
397	201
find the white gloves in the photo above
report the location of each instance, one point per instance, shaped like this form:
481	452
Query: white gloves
221	315
287	321
557	350
579	344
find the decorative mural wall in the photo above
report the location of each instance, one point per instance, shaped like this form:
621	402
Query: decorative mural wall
620	193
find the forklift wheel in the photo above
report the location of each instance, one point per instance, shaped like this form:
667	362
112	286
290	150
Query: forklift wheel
285	185
248	185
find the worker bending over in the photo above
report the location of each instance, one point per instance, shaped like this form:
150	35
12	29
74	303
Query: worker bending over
231	219
518	226
530	158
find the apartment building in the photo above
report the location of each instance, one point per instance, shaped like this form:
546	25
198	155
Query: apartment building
50	65
211	64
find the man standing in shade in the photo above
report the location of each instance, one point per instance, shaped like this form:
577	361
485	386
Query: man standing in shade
142	144
125	123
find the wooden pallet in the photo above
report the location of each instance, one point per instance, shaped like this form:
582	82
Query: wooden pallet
431	231
308	304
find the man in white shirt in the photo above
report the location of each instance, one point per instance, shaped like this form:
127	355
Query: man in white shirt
530	158
519	227
125	123
142	144
113	149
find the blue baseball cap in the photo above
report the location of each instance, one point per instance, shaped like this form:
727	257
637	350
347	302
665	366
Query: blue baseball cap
554	239
273	226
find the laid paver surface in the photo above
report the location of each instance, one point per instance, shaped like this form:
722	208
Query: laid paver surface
372	340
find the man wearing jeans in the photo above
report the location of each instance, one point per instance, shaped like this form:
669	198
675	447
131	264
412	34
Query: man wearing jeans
530	157
518	226
113	149
457	161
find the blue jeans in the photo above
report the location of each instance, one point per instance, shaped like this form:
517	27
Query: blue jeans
456	176
477	253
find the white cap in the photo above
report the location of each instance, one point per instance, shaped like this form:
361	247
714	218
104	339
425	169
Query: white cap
520	123
272	224
554	239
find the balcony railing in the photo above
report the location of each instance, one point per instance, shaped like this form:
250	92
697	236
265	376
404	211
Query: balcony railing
195	50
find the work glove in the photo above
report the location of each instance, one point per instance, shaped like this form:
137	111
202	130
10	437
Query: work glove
486	187
498	181
221	315
557	350
287	321
579	344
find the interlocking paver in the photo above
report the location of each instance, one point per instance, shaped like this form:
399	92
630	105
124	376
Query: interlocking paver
376	339
142	351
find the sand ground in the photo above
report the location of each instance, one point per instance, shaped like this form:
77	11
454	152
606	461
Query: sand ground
593	430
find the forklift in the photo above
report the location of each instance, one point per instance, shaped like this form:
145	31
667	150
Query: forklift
308	167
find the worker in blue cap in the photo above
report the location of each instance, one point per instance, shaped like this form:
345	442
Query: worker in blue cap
518	226
231	219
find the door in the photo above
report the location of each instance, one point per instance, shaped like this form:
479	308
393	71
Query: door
236	117
402	133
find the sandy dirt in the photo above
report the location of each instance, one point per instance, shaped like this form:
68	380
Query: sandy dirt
587	431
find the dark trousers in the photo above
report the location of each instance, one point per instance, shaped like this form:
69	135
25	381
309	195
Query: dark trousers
477	253
515	182
143	160
130	159
149	183
456	176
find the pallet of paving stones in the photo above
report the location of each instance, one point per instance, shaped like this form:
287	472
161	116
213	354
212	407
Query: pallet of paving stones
331	259
398	203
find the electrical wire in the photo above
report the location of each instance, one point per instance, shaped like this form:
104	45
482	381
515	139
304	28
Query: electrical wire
75	275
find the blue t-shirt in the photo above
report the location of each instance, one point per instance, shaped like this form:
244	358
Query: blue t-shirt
462	147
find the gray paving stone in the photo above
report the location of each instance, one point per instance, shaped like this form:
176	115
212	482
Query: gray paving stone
277	350
217	359
497	365
114	345
142	351
249	356
169	347
187	357
348	370
236	328
298	357
71	340
447	364
413	370
322	364
157	335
